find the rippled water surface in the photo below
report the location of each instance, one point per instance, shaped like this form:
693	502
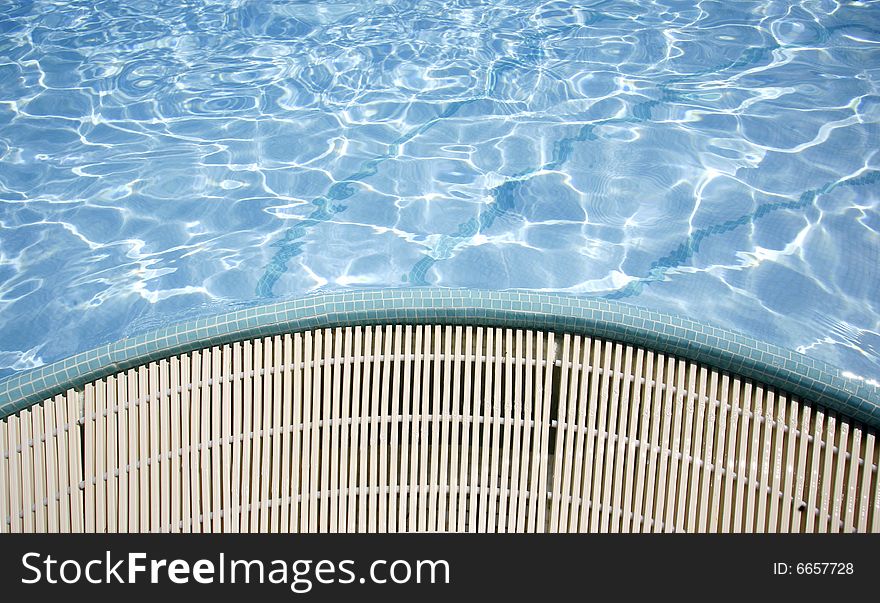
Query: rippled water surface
161	160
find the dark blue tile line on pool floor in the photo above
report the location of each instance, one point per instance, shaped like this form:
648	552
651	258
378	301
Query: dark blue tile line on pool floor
715	347
290	245
504	195
684	252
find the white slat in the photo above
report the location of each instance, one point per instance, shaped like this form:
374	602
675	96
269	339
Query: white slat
865	501
65	487
790	444
486	492
226	402
610	431
563	444
852	476
278	427
544	393
345	516
434	435
240	442
39	469
373	434
776	461
656	402
837	501
51	471
364	433
88	459
326	421
799	506
765	461
165	449
177	446
335	486
100	452
826	475
153	460
504	490
525	376
442	522
5	482
266	491
132	395
74	443
354	432
475	355
666	428
297	434
206	443
424	425
384	420
710	436
394	398
587	491
188	435
407	406
632	472
16	508
257	440
744	406
112	463
620	444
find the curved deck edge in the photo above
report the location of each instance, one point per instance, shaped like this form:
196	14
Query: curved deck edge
716	347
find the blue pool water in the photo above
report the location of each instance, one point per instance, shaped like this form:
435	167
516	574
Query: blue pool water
161	160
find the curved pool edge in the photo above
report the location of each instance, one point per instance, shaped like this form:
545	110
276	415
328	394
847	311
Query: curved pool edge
721	348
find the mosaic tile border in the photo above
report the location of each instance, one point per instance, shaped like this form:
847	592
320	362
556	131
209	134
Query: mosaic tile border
716	347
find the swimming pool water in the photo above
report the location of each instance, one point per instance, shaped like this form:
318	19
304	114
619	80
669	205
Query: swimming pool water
161	160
